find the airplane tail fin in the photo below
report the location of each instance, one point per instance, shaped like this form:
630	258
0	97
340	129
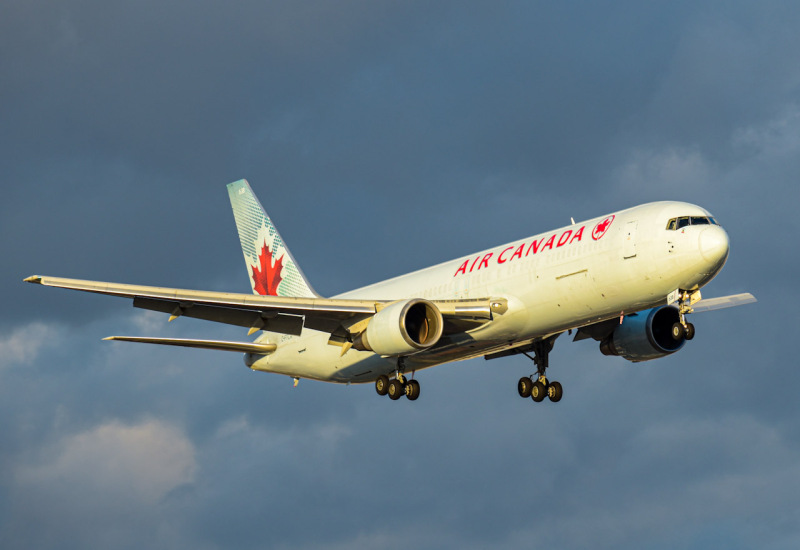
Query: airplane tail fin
272	269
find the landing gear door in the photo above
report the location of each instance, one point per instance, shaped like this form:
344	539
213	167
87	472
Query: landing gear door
629	243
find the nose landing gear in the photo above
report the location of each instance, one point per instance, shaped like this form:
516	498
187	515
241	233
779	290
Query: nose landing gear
683	329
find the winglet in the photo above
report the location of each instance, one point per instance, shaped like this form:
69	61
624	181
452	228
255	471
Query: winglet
33	279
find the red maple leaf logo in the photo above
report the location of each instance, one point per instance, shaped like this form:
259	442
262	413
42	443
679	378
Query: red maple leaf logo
268	277
601	228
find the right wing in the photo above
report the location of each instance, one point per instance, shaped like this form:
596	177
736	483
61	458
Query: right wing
600	331
710	304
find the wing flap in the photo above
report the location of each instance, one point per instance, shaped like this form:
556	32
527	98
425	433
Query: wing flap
269	321
221	345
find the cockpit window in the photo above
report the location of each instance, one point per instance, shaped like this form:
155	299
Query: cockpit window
678	223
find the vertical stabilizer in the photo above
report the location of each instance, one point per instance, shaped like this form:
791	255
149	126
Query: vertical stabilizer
270	265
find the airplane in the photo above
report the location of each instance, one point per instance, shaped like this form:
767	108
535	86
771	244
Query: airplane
627	280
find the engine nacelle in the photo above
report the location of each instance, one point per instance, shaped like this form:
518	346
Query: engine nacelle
645	335
402	328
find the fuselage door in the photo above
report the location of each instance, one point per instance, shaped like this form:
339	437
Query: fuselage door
629	244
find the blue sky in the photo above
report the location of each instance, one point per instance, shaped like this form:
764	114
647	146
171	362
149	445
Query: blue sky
381	138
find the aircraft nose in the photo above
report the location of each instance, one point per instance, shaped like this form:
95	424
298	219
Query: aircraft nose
714	245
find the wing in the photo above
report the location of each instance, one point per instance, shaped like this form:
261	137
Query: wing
600	331
710	304
285	315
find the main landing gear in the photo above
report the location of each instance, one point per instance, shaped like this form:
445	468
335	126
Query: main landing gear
683	329
398	386
540	388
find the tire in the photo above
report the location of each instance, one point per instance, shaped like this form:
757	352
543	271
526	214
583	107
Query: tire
689	331
538	391
382	384
678	332
412	390
524	387
555	391
395	389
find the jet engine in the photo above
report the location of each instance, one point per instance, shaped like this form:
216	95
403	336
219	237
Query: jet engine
402	328
645	335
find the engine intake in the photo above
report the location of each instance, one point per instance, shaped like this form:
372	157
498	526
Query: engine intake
402	328
645	335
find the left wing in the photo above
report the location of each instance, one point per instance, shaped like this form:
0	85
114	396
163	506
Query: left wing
281	314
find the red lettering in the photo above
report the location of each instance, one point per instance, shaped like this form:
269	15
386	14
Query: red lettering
500	259
549	243
534	246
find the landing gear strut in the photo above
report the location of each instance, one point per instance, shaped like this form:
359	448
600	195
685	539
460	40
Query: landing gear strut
683	329
539	388
398	386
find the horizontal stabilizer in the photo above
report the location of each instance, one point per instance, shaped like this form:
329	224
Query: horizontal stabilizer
723	302
222	345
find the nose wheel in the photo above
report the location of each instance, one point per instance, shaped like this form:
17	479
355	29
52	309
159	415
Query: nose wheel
681	331
537	386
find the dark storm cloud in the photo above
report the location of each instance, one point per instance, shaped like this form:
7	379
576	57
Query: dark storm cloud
383	137
151	112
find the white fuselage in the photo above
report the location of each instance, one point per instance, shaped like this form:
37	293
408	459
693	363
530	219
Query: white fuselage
562	279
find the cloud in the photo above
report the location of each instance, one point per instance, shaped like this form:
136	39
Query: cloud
23	344
148	322
142	462
776	138
93	487
672	171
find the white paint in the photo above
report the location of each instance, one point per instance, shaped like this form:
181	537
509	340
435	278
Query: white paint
630	268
